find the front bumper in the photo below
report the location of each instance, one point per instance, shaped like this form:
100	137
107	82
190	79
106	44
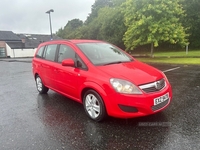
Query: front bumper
130	106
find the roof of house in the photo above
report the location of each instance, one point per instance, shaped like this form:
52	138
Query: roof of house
33	40
24	41
16	44
8	36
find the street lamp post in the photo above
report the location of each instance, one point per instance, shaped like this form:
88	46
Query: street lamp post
49	12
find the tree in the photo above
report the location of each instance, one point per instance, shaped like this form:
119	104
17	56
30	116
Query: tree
111	27
117	3
70	29
192	21
153	21
108	24
95	8
60	33
104	23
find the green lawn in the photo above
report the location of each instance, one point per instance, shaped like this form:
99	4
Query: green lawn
185	61
174	57
192	53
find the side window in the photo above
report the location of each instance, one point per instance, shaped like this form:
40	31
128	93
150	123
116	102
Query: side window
39	52
65	52
50	52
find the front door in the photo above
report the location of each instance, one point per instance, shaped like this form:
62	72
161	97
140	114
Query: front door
66	76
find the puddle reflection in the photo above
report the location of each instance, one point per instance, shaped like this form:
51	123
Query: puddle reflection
66	122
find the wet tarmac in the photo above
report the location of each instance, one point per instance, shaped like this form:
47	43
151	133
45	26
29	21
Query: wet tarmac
29	121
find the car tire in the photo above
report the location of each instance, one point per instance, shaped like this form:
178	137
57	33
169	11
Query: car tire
94	106
42	89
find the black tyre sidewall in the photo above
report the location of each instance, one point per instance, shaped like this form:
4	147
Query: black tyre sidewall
44	88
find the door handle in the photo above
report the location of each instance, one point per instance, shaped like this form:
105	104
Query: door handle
55	70
58	71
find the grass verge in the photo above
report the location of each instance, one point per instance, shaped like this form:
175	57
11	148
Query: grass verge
191	53
184	61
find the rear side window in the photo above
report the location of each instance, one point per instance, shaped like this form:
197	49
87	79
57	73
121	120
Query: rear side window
65	52
50	52
39	52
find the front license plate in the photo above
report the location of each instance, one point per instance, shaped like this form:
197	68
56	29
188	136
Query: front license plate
161	99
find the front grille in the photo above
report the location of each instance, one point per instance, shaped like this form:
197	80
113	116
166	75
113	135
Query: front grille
159	106
153	87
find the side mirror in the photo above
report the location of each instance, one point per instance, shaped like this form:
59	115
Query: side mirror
68	62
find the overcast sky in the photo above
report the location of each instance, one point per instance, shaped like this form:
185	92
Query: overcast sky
28	16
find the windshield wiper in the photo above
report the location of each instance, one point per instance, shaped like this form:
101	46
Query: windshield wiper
116	62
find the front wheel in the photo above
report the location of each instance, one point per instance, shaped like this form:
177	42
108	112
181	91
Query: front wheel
42	89
94	105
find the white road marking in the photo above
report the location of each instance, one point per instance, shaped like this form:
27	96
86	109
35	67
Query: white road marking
171	69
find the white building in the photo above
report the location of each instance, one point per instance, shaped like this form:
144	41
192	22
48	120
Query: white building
20	45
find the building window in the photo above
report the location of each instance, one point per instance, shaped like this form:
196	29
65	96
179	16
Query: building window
2	52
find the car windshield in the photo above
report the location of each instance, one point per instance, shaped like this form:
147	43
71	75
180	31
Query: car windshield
103	53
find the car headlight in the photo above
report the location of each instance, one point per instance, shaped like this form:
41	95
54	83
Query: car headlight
123	86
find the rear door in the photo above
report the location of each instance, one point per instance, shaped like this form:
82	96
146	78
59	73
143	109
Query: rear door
48	66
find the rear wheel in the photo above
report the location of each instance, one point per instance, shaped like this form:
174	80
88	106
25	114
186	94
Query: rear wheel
94	105
42	89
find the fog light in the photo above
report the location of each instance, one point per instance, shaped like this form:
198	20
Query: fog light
129	109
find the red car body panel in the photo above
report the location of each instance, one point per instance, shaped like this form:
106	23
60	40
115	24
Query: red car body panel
72	82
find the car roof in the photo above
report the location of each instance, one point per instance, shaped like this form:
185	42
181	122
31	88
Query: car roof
74	41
